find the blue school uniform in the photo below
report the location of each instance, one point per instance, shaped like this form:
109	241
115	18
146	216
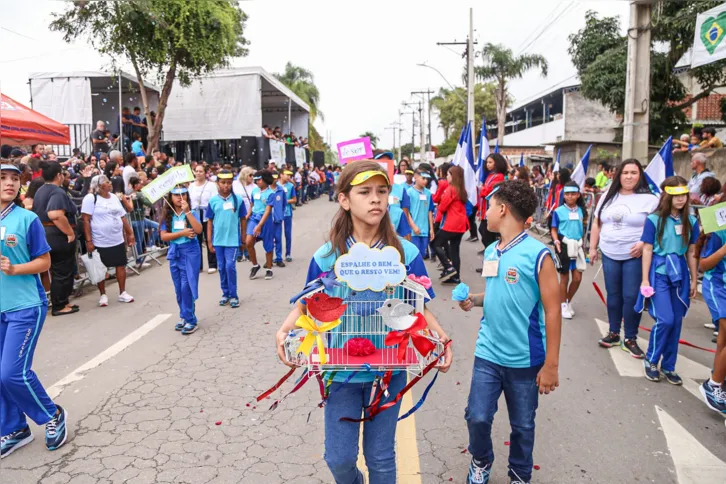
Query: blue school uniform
225	214
277	201
398	201
671	279
714	280
568	223
23	308
422	204
259	205
290	193
185	258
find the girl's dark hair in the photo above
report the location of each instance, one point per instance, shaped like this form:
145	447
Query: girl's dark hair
523	173
580	201
110	168
398	167
167	213
135	181
445	170
50	170
266	176
565	176
33	187
665	207
518	196
500	163
17	201
710	186
457	182
616	185
342	225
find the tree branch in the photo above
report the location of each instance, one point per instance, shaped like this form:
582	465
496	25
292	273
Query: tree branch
698	97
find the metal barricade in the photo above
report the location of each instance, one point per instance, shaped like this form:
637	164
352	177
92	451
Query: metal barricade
145	221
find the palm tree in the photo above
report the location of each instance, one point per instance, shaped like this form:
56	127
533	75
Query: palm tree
373	137
501	66
302	82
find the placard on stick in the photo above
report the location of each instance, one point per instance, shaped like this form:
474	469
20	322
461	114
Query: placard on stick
355	149
163	185
713	218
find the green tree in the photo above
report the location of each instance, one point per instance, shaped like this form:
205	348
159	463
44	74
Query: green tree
172	39
373	137
302	82
502	66
599	52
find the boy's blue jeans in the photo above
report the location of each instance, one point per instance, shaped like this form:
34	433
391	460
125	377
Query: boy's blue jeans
379	434
488	381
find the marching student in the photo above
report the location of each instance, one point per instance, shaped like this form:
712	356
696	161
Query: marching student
409	178
363	192
258	225
278	200
399	204
518	348
226	214
454	224
669	276
422	212
291	200
567	232
180	228
24	253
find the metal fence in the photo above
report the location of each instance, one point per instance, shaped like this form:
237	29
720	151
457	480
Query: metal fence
541	218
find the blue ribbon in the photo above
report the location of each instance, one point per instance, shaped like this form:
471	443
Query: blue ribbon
423	399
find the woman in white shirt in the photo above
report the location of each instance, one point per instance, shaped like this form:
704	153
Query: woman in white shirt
104	224
201	191
242	187
619	221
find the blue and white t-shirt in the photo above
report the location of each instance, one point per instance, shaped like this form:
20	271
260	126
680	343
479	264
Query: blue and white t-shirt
422	204
568	222
290	192
226	214
672	242
178	223
398	201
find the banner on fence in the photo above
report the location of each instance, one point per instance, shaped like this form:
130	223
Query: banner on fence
163	185
300	156
277	151
355	149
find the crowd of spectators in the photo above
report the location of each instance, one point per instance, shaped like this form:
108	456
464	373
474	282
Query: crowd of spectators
290	138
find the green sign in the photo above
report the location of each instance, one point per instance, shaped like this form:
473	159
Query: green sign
713	218
171	178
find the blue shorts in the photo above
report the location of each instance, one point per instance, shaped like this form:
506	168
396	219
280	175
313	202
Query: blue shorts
252	223
268	235
714	293
404	228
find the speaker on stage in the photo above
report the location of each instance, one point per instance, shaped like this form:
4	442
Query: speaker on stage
318	158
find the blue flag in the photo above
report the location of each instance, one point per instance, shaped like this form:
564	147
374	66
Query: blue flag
481	165
521	159
660	167
580	173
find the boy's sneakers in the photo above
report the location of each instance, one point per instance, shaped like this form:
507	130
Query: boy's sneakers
268	275
288	259
572	310
56	432
454	281
516	479
631	346
12	442
714	396
254	271
651	371
223	301
125	297
447	274
180	325
672	377
477	474
234	302
189	329
103	301
566	313
709	326
612	339
211	270
280	264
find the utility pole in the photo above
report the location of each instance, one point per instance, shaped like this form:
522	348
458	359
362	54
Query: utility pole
428	109
413	128
400	138
637	85
392	128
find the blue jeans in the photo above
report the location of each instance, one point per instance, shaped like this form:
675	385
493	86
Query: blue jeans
379	434
488	381
622	283
140	227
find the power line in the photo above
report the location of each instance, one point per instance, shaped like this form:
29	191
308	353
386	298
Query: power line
16	33
569	9
543	24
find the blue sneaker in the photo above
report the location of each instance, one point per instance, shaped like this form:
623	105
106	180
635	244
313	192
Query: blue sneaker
714	396
672	377
651	371
56	432
180	325
477	474
12	442
189	329
223	301
234	302
288	259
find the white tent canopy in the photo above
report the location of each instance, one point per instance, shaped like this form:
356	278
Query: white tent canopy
234	103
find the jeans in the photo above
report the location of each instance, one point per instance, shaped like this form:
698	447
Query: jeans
488	381
446	243
140	227
622	283
62	267
379	434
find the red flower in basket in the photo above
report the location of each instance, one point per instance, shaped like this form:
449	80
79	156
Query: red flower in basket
420	342
325	308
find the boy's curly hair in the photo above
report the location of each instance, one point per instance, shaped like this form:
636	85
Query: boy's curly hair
519	197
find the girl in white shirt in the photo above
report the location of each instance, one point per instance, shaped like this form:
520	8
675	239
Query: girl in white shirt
242	187
200	192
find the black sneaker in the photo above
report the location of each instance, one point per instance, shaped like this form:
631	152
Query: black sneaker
12	442
479	270
447	274
452	282
254	271
280	264
268	275
480	252
672	377
651	371
473	239
612	339
631	346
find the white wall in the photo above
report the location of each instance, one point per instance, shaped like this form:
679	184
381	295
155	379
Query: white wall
538	135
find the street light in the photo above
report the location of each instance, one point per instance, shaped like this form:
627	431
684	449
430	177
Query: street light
446	80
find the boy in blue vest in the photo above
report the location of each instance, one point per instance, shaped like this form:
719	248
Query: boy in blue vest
277	201
422	212
290	200
518	347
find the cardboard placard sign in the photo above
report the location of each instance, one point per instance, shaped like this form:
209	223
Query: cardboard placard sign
364	268
171	178
355	149
713	218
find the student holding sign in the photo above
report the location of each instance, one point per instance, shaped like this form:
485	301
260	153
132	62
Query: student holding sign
422	212
180	228
226	214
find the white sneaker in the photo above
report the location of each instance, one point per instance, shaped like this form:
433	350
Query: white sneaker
103	302
143	265
709	326
125	297
211	270
566	313
153	248
572	310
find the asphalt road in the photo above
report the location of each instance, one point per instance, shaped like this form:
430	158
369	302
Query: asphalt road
144	401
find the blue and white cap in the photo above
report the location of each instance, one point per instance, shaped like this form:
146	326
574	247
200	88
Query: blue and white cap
9	167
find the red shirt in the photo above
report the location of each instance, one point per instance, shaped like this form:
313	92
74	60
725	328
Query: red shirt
454	212
443	185
492	180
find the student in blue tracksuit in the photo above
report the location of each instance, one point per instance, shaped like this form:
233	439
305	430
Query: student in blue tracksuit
259	225
180	228
24	253
669	276
278	199
226	213
422	212
399	204
518	348
291	199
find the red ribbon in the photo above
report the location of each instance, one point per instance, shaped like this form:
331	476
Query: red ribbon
420	342
276	385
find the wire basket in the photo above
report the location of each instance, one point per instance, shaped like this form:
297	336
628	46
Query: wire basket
362	319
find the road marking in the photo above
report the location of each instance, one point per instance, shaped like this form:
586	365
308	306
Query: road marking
79	373
693	462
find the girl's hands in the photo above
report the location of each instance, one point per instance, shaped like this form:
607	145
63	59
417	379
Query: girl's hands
416	230
558	245
694	288
184	205
637	250
593	256
466	305
211	247
448	358
6	267
189	232
280	338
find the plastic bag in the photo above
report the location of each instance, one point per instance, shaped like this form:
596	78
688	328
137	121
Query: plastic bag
94	267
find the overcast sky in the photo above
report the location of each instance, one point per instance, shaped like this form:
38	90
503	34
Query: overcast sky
364	58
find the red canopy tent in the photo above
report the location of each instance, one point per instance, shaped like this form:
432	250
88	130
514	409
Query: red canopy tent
21	125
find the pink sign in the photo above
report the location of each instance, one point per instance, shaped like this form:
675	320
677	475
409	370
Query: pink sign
356	149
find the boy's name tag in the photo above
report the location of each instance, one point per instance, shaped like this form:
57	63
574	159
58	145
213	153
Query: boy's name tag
574	216
679	229
422	198
2	233
490	269
285	188
257	196
392	200
228	206
179	225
